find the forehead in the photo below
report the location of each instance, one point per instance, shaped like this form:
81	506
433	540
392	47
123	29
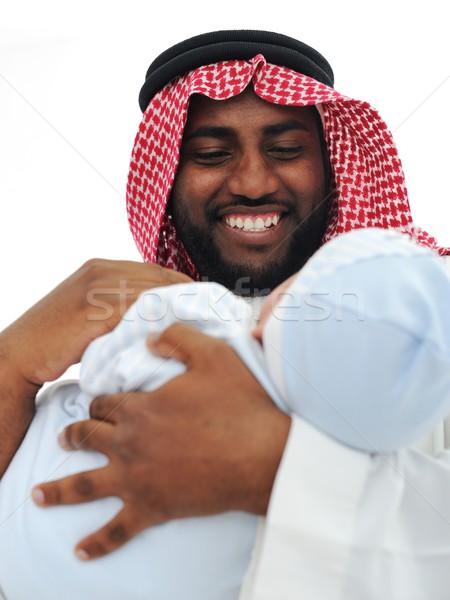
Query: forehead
246	110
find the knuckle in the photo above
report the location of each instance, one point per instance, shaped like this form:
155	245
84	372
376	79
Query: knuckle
93	266
117	534
98	274
83	486
98	407
176	277
126	411
76	434
83	433
52	493
158	271
89	263
68	438
155	273
126	448
166	276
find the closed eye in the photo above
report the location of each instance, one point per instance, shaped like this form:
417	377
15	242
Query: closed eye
286	152
210	157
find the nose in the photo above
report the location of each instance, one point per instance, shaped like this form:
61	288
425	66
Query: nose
252	176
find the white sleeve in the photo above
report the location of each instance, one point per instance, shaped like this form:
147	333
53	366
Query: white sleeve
343	524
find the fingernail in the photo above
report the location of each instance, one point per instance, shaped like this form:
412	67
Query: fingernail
62	440
38	496
152	339
81	554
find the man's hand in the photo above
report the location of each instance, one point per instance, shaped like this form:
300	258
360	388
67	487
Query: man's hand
209	441
53	334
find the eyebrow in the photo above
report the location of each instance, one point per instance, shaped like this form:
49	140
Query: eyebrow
214	131
284	126
211	131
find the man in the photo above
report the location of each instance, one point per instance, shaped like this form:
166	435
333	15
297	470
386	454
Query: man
242	196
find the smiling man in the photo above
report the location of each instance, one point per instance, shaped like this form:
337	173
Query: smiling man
246	160
250	197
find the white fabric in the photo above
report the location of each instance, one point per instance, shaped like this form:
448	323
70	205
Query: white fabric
309	541
345	525
193	559
204	558
359	342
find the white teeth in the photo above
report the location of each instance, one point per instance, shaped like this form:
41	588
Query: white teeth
248	224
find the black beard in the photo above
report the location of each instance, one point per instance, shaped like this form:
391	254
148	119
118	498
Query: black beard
244	279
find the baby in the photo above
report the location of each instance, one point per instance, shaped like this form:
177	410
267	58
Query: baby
357	343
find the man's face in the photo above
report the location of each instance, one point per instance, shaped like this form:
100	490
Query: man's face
250	196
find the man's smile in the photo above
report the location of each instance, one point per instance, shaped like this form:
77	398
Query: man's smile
254	225
248	196
259	222
251	227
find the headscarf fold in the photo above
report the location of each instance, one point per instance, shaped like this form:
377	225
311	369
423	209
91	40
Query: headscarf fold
369	186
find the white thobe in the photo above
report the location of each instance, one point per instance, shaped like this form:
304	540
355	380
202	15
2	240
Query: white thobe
345	525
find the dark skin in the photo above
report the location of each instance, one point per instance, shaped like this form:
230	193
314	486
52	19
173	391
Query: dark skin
221	442
208	452
251	160
52	335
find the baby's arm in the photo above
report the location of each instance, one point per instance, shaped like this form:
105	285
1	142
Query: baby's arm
121	361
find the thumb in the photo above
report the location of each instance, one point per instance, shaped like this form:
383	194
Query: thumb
184	343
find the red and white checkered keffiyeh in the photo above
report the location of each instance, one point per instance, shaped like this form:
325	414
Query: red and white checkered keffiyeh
368	176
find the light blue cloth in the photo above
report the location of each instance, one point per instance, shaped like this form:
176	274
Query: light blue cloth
359	345
190	559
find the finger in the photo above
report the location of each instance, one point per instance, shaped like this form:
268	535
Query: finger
124	526
149	275
74	489
105	407
186	344
91	434
171	276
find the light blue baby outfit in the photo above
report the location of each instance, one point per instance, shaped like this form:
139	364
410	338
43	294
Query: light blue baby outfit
359	345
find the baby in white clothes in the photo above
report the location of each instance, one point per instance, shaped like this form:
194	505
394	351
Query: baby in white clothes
357	343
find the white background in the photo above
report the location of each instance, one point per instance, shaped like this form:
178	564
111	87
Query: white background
70	73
